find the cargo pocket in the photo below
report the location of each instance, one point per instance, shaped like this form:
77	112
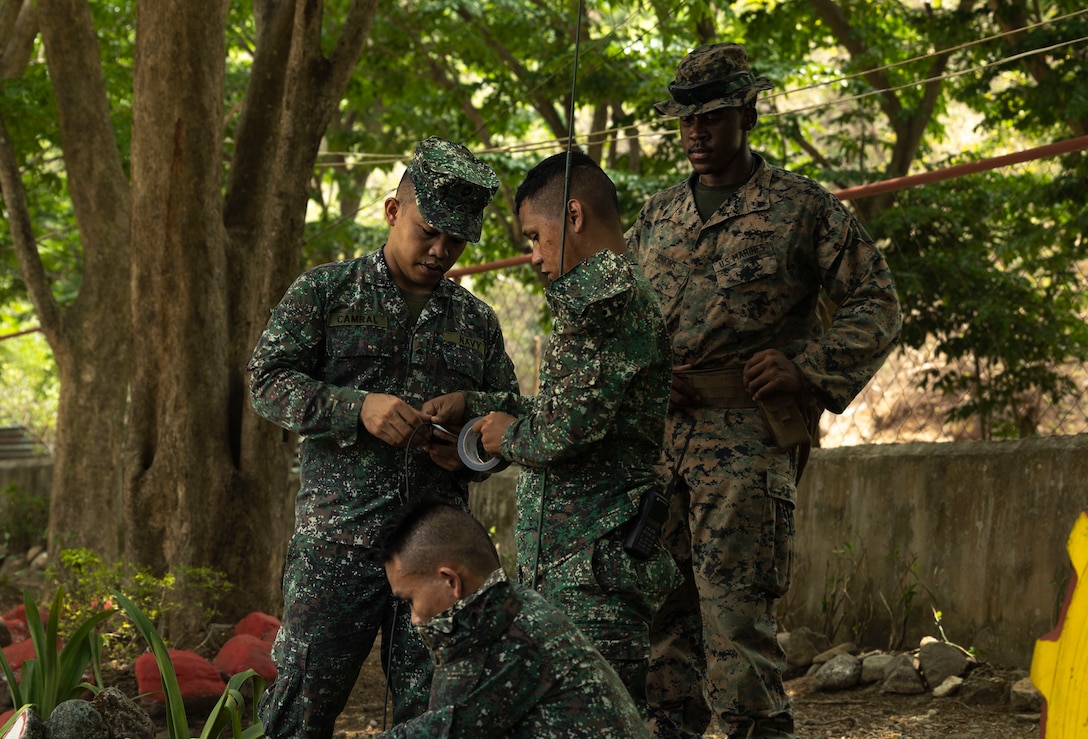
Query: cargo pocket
774	570
612	567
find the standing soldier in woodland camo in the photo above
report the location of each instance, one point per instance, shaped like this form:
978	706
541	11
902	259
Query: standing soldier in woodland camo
738	255
347	359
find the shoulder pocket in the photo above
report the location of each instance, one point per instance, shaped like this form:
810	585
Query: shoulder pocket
669	279
464	357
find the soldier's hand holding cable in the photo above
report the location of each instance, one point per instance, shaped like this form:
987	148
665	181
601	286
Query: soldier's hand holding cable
444	454
446	413
447	410
770	372
390	419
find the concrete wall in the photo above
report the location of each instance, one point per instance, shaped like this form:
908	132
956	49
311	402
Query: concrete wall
976	530
985	525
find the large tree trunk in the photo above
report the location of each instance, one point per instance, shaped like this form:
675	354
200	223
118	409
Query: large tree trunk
206	480
179	467
90	338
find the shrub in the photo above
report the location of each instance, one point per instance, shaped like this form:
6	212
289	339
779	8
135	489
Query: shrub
92	584
228	711
24	520
55	676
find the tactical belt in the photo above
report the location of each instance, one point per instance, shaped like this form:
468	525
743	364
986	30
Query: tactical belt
721	387
792	417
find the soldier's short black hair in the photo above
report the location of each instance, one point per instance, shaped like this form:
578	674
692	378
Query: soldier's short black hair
428	532
544	184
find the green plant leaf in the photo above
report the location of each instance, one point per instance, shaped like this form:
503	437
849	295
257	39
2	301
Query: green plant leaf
176	722
55	675
230	707
77	653
13	685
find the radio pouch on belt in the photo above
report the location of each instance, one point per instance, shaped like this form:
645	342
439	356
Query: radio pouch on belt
788	424
644	530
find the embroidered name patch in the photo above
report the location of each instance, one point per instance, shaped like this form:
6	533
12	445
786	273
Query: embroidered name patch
476	345
358	319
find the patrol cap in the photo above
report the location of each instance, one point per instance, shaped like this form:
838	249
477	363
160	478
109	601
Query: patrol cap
712	77
452	187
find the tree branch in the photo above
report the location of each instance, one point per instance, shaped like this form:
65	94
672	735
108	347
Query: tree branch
97	181
18	27
541	102
22	236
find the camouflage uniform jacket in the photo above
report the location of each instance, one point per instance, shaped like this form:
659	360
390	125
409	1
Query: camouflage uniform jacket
510	664
587	443
748	279
341	332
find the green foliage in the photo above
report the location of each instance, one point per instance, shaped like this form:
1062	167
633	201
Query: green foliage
91	581
29	380
228	712
24	519
55	675
908	587
1002	295
843	599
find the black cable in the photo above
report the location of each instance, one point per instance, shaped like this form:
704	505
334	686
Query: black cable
402	495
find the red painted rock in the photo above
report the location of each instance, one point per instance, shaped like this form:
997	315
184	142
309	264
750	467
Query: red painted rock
15	620
258	624
246	652
197	677
21	651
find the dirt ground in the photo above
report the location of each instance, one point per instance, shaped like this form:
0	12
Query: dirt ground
865	713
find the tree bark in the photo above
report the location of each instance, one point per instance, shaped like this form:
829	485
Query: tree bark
206	480
90	338
178	464
18	28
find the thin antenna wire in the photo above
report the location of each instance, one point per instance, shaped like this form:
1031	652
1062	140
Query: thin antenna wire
562	258
570	135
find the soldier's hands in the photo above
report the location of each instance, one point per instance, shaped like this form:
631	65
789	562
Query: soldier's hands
771	372
682	394
391	419
448	409
491	428
444	455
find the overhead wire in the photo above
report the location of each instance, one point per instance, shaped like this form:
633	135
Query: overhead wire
522	147
619	134
929	55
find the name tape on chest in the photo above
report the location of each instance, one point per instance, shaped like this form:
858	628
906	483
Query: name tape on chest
476	345
344	318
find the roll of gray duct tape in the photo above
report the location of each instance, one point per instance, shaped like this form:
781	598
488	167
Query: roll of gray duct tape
468	448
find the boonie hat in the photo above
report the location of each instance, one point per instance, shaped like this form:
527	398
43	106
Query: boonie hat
712	77
452	187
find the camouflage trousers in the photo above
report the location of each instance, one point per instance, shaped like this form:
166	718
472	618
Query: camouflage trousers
715	648
612	598
335	601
